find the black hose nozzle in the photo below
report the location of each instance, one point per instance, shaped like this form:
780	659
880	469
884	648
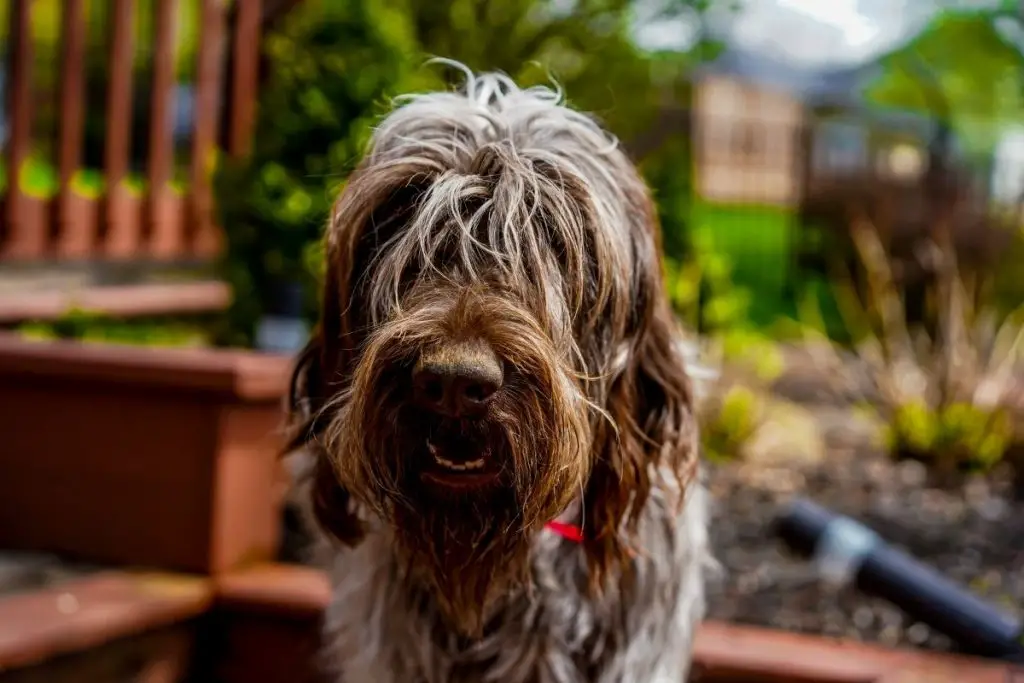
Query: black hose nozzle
846	550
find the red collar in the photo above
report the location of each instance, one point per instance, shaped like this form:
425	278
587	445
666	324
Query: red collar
570	532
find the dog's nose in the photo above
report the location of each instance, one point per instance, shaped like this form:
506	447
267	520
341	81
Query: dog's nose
457	380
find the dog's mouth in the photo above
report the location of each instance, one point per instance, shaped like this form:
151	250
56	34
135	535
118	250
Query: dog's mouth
459	464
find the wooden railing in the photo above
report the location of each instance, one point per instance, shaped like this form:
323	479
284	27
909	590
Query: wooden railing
161	222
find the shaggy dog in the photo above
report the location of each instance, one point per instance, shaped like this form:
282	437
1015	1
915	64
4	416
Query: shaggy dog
501	429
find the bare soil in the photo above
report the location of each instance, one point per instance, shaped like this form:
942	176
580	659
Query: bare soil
972	532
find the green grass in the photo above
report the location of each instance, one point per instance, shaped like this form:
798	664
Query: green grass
758	241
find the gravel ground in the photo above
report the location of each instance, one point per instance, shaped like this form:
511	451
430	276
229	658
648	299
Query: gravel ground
974	535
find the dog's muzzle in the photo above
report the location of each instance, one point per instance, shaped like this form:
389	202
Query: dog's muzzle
454	385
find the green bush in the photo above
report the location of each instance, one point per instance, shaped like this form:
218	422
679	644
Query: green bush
729	420
332	67
953	438
1007	284
702	291
948	396
752	353
701	287
758	241
668	174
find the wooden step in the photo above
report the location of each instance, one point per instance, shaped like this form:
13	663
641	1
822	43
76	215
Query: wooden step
266	626
105	627
119	301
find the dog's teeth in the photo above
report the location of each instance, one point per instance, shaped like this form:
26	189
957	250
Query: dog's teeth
456	466
432	448
446	463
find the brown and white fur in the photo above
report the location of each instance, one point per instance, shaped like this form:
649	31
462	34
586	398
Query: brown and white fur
495	238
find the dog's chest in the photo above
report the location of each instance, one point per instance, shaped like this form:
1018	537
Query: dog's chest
376	633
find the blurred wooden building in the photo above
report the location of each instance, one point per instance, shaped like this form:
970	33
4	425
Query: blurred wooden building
767	132
747	144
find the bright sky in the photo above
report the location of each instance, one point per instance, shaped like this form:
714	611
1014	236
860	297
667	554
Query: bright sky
808	32
858	28
827	31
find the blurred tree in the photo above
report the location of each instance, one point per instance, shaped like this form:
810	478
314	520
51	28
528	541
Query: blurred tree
591	48
966	69
588	46
331	65
961	69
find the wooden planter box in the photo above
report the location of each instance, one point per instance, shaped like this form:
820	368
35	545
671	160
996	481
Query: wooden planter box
147	457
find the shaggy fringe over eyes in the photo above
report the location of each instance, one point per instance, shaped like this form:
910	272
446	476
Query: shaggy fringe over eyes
511	190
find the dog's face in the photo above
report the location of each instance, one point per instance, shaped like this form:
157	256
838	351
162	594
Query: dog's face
494	343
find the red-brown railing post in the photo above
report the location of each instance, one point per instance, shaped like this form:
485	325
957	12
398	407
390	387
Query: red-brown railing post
25	234
152	223
207	237
75	218
122	210
165	238
245	78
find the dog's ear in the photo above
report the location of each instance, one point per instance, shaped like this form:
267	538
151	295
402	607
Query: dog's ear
365	216
330	504
650	403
